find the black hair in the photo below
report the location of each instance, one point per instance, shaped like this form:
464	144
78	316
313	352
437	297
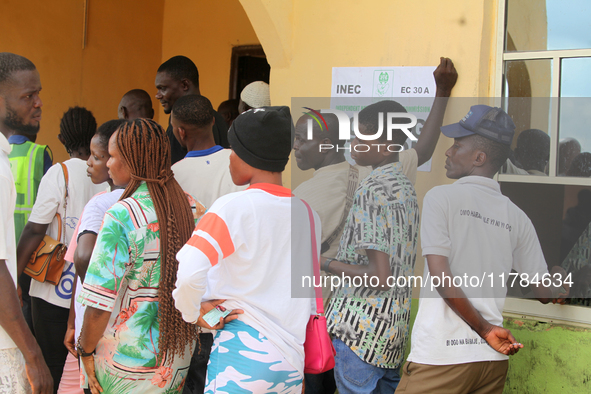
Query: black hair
533	149
193	110
230	107
369	117
496	153
330	130
181	67
580	166
140	101
77	128
106	130
11	63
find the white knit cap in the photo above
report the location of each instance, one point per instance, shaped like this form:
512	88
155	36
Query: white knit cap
256	94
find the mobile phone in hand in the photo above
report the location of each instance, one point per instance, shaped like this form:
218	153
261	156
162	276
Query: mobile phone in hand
213	316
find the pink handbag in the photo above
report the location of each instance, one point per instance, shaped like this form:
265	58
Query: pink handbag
318	347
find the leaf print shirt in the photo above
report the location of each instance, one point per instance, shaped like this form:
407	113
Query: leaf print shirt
123	277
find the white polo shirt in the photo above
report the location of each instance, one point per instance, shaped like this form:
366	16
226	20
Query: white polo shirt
482	233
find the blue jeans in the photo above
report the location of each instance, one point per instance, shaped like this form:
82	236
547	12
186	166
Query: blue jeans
355	376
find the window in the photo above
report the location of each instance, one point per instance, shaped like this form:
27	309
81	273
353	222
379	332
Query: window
545	84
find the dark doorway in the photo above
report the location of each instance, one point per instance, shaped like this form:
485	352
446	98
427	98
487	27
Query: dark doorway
249	64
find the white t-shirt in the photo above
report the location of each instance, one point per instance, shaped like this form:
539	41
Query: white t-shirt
242	251
205	174
481	232
90	221
50	200
7	236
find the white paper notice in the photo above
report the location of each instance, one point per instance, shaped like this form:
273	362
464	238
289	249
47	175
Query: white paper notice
412	87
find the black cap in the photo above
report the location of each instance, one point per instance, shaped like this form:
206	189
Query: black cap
263	137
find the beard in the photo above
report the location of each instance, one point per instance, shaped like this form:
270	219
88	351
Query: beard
15	122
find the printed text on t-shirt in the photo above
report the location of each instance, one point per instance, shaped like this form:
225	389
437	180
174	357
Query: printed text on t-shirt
486	220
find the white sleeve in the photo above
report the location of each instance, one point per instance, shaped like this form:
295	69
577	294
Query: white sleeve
49	197
435	238
191	282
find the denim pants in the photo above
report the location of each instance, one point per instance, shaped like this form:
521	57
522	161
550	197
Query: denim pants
355	376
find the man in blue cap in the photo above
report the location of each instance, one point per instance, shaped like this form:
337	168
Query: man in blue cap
472	237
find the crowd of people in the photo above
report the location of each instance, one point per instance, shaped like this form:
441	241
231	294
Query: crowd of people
166	227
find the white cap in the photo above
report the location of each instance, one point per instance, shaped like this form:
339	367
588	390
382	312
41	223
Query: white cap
256	94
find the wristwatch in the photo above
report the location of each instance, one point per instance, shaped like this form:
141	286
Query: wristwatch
326	264
82	353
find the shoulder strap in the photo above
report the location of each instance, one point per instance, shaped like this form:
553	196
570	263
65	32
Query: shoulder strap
351	187
315	262
62	223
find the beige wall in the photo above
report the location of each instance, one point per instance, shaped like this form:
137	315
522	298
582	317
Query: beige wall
304	39
205	31
123	50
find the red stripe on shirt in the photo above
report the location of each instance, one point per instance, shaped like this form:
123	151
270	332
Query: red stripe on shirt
204	246
215	226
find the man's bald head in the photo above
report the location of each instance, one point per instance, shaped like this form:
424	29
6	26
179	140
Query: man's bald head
136	104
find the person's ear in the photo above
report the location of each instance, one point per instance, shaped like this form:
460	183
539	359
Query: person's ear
325	141
183	135
151	113
123	114
480	158
185	84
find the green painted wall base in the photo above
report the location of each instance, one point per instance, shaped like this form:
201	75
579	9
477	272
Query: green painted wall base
554	359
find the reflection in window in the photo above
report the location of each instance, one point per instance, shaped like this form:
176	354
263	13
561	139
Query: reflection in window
576	247
574	157
561	216
537	25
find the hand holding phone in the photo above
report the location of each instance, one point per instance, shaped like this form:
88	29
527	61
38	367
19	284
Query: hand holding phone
213	316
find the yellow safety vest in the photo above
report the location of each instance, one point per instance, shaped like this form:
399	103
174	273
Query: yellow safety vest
26	162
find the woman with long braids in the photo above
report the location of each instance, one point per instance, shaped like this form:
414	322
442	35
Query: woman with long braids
133	339
50	304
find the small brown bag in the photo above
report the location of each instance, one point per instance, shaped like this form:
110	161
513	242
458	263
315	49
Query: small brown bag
47	262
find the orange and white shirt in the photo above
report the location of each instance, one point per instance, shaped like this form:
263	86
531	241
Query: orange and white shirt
242	251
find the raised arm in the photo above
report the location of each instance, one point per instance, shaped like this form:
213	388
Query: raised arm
445	79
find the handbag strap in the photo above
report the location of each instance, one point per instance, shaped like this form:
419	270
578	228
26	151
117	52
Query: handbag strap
62	223
315	262
351	187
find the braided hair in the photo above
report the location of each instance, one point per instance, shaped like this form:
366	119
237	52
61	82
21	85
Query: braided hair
106	130
145	148
77	127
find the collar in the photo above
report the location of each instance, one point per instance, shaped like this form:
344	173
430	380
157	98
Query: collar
204	152
4	144
18	139
480	180
275	190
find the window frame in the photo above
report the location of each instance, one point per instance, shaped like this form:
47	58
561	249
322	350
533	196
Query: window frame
527	308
